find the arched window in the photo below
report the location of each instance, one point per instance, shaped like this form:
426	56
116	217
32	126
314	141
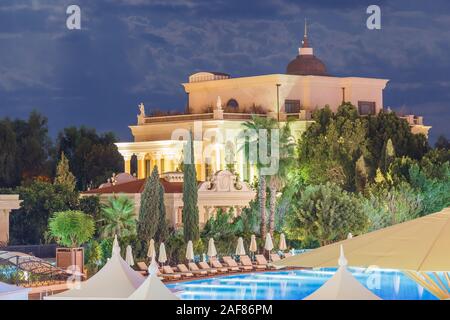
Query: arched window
232	104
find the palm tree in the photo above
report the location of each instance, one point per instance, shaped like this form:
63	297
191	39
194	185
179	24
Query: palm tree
258	123
118	217
285	163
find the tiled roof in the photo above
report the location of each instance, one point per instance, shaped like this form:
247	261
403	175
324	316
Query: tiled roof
137	187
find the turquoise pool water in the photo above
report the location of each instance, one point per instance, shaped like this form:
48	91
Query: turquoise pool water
296	285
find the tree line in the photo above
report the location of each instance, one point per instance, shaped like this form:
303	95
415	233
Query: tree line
27	153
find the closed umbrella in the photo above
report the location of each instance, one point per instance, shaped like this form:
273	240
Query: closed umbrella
269	244
190	251
240	250
253	246
211	248
129	256
116	247
162	258
151	249
283	245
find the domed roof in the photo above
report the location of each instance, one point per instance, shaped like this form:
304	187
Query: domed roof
306	65
306	62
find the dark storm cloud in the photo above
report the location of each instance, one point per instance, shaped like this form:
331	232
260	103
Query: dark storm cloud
136	50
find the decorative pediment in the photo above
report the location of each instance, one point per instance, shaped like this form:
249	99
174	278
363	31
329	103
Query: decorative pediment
224	181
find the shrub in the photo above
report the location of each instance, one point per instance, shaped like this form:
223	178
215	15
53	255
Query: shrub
326	213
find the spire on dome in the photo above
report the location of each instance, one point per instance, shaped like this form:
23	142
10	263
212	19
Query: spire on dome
305	37
306	64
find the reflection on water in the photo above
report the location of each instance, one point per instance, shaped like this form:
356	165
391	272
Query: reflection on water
297	284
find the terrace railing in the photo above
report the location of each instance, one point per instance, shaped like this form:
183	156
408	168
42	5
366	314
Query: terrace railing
200	116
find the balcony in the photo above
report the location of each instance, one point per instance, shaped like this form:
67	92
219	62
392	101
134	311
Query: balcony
413	120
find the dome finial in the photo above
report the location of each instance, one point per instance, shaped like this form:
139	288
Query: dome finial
306	30
305	36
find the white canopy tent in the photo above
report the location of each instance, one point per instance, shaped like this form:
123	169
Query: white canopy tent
116	280
11	292
153	289
342	286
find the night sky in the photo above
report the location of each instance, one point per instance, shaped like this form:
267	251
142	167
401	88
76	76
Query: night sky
130	51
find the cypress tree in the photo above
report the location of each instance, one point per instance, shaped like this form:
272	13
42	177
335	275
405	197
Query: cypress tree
388	155
190	209
63	175
162	232
8	148
360	174
149	211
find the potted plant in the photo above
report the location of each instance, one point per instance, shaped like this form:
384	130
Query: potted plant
71	229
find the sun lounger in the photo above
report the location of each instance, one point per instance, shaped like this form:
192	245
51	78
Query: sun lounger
261	260
217	265
184	270
274	257
194	268
231	263
143	269
245	260
169	273
206	267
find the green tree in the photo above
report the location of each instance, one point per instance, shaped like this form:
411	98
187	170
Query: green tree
386	206
388	156
93	256
190	215
254	127
326	213
149	213
93	157
7	154
361	176
118	217
387	125
28	225
63	174
331	146
162	232
91	206
33	147
285	163
442	143
71	228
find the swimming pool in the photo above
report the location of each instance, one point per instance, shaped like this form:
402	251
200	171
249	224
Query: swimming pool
296	285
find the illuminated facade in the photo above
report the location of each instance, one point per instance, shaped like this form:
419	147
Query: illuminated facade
221	104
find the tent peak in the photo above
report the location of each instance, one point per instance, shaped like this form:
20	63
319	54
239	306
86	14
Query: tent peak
342	260
116	247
